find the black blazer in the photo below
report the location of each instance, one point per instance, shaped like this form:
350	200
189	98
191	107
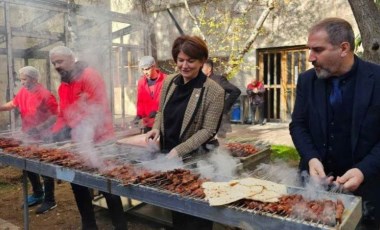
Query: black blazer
232	92
308	125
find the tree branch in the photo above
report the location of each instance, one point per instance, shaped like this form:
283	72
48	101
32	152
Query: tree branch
194	20
247	46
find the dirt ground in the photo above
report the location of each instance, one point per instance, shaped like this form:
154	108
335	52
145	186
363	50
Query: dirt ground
66	215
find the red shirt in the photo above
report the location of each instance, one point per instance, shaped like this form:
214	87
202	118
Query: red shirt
148	98
258	97
259	86
35	106
84	106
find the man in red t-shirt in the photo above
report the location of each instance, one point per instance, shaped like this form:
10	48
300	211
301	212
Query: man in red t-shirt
84	110
148	92
38	108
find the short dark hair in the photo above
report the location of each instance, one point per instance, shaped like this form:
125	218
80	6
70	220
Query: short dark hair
338	30
193	46
210	63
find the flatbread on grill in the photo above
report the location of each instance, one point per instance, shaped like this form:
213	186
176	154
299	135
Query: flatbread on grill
220	193
271	192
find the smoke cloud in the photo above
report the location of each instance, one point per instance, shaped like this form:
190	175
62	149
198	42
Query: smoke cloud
220	166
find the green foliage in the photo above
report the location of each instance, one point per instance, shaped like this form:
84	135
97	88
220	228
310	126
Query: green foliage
7	186
286	153
358	43
228	29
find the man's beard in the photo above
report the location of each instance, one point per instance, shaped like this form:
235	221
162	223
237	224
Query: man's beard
322	73
65	75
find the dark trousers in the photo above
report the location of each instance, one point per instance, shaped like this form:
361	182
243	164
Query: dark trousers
260	108
84	202
37	186
183	221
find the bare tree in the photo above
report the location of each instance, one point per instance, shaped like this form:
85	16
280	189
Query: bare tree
367	16
211	26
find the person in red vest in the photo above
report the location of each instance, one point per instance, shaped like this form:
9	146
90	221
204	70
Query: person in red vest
255	92
84	116
148	92
38	108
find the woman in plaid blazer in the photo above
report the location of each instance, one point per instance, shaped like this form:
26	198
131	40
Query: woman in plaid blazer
190	112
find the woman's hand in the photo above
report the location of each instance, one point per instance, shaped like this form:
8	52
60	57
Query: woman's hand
172	154
152	135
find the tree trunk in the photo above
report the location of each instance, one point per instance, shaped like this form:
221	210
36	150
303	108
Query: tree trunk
367	17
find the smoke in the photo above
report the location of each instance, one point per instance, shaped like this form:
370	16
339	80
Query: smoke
220	166
314	186
162	163
279	172
90	119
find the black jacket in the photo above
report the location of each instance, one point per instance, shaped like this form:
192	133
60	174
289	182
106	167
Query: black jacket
232	92
308	128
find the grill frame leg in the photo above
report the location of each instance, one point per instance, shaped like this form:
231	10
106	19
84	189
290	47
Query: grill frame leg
25	194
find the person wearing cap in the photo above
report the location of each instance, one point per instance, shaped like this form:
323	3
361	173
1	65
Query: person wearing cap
38	108
148	92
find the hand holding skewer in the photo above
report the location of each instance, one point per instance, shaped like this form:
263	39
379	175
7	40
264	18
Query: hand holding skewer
351	180
316	170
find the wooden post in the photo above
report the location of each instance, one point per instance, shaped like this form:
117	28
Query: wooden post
10	61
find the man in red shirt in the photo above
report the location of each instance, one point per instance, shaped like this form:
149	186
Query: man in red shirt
148	92
84	110
38	108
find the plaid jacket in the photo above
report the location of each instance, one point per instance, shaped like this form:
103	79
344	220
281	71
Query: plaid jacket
197	127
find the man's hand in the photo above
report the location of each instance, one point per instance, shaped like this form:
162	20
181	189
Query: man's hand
152	114
317	172
136	120
351	180
316	168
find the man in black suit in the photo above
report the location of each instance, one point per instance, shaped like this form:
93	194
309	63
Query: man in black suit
336	118
232	94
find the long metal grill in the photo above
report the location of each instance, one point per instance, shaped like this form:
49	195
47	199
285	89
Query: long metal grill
159	190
